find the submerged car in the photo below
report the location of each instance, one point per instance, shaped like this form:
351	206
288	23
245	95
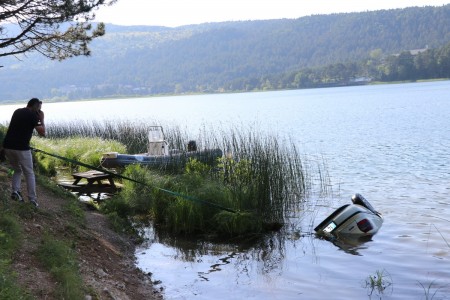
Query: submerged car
355	220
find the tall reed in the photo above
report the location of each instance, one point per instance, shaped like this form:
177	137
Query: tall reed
263	174
133	135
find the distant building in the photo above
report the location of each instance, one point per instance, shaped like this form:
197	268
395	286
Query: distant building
362	79
415	51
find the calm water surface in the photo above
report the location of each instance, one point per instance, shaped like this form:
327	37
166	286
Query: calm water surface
389	142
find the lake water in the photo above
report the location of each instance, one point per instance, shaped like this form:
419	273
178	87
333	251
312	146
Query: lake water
391	143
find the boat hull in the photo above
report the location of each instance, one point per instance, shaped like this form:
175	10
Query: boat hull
114	159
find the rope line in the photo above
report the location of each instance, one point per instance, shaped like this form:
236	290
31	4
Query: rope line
187	197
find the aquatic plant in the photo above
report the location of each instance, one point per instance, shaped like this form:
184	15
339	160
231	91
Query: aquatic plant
161	197
442	236
261	176
265	172
429	294
378	282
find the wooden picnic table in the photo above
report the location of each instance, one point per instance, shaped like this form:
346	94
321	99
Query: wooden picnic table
95	183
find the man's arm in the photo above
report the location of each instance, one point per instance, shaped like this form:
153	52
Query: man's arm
40	128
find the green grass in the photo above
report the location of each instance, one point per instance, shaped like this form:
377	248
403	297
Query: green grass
72	206
2	133
126	133
9	288
161	197
10	241
60	259
10	235
86	150
57	256
264	175
261	176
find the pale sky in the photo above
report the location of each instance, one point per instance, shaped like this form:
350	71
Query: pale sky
174	13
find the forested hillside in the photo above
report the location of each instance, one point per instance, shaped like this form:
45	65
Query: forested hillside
234	56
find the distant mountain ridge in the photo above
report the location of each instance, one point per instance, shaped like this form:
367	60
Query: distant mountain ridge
211	57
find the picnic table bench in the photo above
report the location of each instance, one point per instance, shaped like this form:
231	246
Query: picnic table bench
91	182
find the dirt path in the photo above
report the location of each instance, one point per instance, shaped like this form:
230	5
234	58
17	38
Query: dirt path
106	258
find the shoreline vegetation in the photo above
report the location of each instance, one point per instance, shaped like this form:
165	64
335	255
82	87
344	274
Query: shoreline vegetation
258	178
124	97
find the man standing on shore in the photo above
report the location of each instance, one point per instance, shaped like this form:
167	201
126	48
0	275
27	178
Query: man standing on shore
17	147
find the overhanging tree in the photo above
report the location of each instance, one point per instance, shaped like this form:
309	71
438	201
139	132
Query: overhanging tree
58	29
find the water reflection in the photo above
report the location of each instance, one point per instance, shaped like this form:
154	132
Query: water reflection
349	244
217	267
267	248
256	265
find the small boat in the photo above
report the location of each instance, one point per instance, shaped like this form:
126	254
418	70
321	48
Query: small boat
159	155
355	220
115	159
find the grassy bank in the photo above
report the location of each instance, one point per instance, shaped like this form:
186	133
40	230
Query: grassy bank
63	250
56	254
10	241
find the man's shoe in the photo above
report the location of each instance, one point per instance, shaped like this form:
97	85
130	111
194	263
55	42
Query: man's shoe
17	196
34	203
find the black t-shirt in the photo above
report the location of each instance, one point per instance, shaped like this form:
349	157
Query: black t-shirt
20	129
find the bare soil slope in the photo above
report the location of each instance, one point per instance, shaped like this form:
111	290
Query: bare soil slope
106	258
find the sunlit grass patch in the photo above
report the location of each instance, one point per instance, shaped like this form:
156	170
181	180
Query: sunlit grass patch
133	135
86	150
